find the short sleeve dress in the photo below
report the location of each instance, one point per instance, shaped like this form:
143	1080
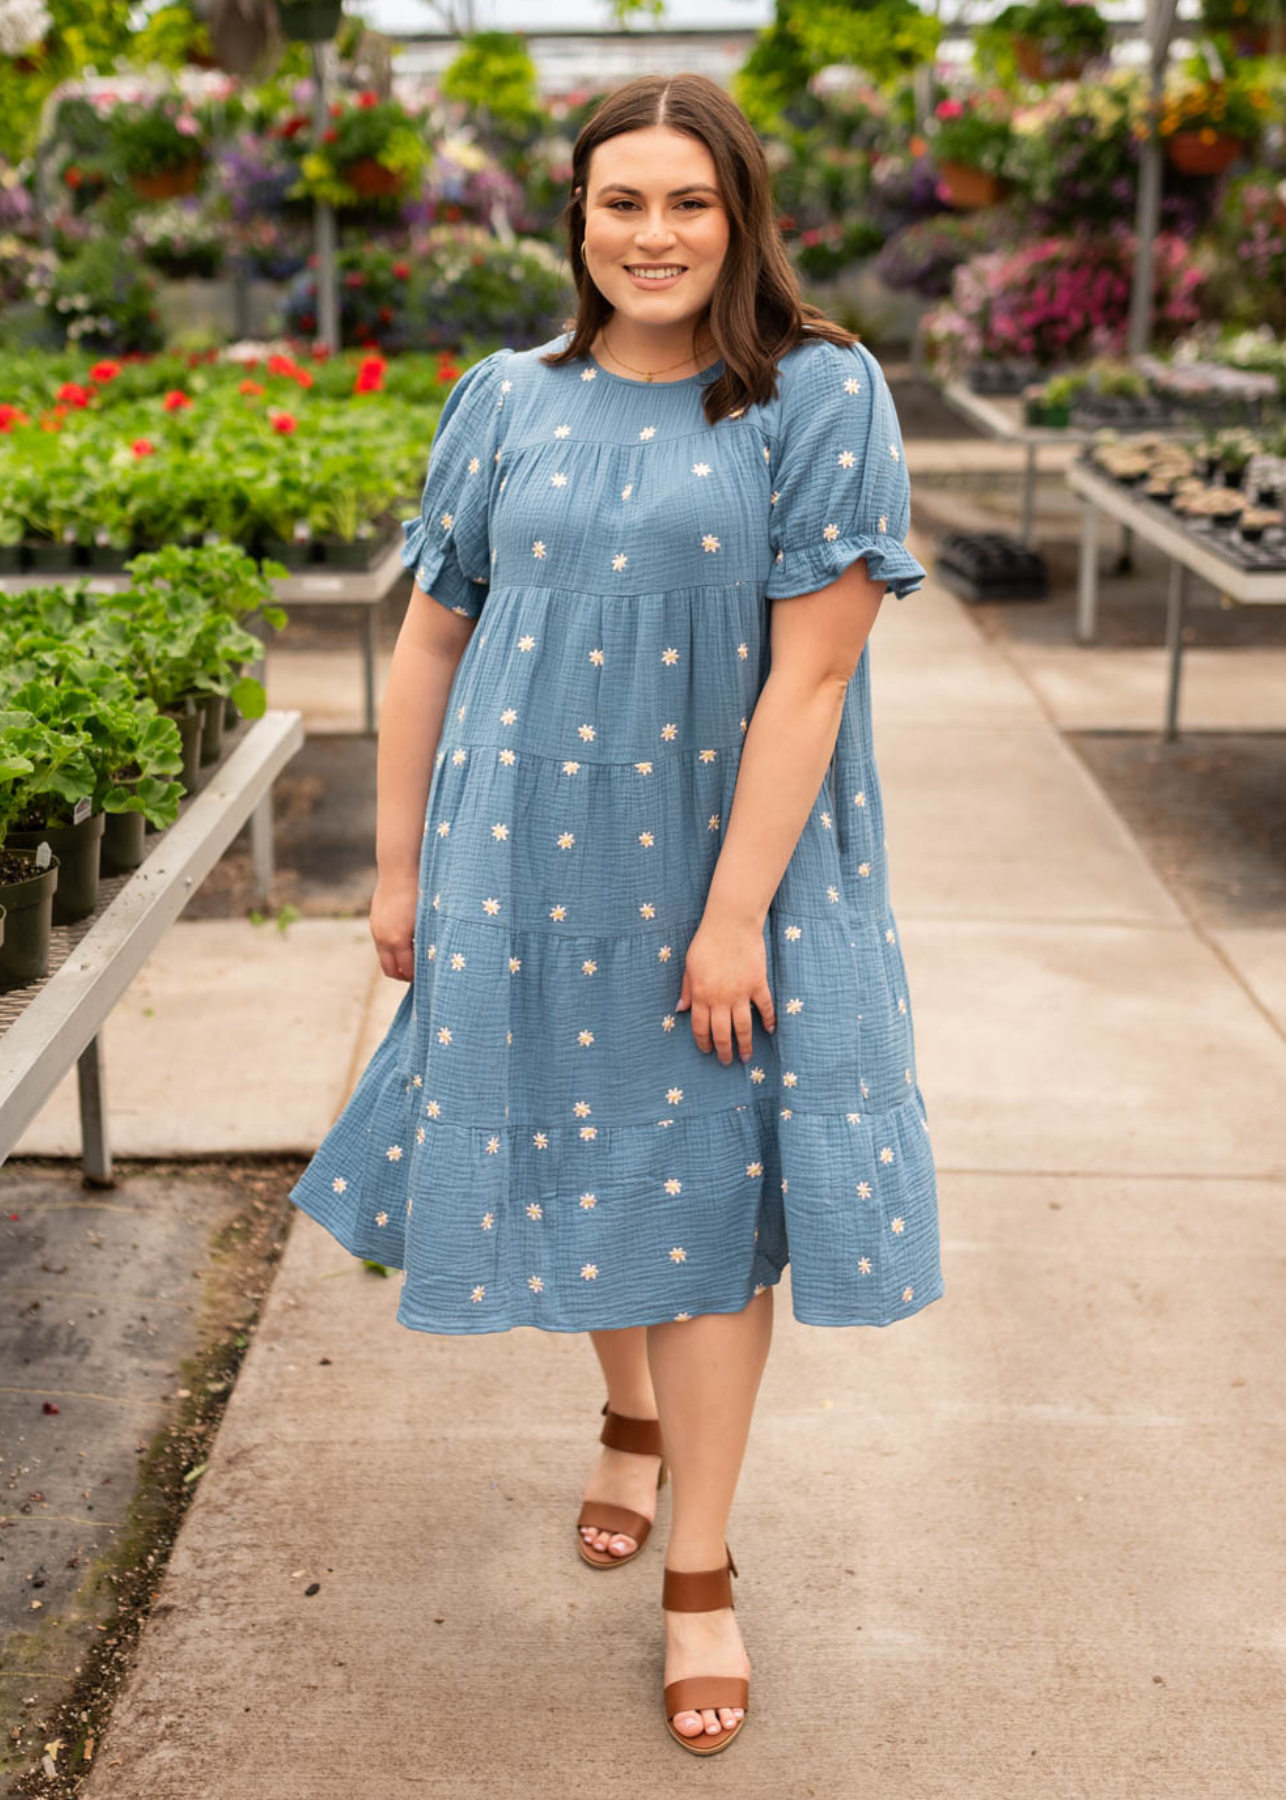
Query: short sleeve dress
538	1140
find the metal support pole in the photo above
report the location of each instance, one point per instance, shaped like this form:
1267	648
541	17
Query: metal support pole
1029	496
1159	28
1125	556
1174	609
96	1149
324	217
1087	590
371	652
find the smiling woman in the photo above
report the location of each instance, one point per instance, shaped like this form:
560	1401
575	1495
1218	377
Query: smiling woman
657	1046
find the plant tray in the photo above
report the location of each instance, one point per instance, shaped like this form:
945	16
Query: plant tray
989	565
1009	376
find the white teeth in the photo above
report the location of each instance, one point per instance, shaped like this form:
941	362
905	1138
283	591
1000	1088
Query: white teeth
655	274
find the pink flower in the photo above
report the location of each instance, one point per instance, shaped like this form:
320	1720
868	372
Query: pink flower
948	109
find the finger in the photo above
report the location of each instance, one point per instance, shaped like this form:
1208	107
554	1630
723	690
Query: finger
701	1025
721	1026
744	1027
762	998
683	994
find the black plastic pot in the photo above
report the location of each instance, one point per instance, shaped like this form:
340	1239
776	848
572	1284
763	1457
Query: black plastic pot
124	841
76	848
1233	478
336	553
211	706
109	559
190	719
11	559
28	907
294	554
51	553
309	21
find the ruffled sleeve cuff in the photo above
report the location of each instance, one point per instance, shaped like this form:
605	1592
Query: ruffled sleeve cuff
437	569
813	566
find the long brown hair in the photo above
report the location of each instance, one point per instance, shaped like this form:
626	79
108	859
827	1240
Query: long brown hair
756	311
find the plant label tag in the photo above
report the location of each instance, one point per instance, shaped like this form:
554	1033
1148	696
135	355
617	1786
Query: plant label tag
81	810
43	854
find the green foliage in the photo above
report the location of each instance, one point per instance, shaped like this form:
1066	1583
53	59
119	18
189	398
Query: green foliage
83	33
101	298
884	38
494	73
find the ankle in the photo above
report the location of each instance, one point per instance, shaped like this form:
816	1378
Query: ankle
633	1406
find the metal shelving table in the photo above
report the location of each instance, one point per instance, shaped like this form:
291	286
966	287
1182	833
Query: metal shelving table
319	586
47	1025
1188	553
1002	418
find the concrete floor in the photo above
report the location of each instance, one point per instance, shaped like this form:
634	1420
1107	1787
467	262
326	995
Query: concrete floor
1030	1539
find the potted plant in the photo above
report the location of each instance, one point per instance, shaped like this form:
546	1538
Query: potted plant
971	140
1053	40
1206	125
370	150
1248	24
1233	449
50	814
158	146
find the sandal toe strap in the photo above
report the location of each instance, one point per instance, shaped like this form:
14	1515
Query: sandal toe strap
694	1693
606	1516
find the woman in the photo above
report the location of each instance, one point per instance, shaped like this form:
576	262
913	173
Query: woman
637	809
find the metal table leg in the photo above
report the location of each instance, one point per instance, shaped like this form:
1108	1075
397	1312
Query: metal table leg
96	1150
1174	610
372	651
261	849
1125	557
1029	496
1087	588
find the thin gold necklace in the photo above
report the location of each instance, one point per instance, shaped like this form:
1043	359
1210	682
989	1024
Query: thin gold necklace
647	374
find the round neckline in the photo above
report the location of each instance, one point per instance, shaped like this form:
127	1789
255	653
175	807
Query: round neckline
627	381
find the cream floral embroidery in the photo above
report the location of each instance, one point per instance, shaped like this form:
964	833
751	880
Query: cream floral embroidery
588	1202
381	1218
754	1168
648	909
701	468
540	1139
709	542
846	459
646	839
491	905
743	651
898	1225
339	1184
558	479
619	561
907	1292
596	657
886	1155
648	431
674	1185
895	453
678	1254
488	1220
673	1096
526	642
571	767
627	490
478	1292
500	831
864	1265
492	1146
585	1037
535	1283
589	966
587	732
508	716
394	1153
644	768
589	1272
669	732
852	385
474	465
447	521
588	374
535	1210
566	839
562	431
864	1190
538	549
558	913
883	522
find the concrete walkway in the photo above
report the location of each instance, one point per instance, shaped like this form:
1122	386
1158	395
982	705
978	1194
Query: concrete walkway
1031	1538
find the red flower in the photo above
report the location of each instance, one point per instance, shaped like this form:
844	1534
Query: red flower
251	387
48	424
74	394
447	370
72	176
105	371
176	400
368	99
354	279
401	270
60	411
143	447
295	123
386	315
11	415
370	377
303	377
336	110
329	135
308	321
284	422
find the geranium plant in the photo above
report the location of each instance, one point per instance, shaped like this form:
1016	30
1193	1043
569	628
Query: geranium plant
154	137
1044	39
974	130
370	131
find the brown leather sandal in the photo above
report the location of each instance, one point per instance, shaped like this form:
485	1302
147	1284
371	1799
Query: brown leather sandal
641	1437
703	1590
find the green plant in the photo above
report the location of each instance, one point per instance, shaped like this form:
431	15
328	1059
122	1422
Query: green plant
1063	33
100	298
153	137
975	130
493	73
380	131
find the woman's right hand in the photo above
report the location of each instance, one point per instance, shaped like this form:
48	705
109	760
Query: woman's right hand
392	922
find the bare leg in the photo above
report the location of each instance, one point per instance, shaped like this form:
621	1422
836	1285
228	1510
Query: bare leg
621	1476
706	1372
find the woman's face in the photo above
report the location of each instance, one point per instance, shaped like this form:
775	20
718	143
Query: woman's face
653	203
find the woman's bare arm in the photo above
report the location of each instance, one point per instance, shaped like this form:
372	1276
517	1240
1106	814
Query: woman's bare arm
428	650
817	640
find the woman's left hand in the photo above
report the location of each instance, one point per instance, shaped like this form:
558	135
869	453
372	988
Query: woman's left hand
726	968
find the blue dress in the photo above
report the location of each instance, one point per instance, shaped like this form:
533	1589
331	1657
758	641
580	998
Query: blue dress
538	1140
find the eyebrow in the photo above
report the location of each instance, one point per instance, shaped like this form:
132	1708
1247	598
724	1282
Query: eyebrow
693	187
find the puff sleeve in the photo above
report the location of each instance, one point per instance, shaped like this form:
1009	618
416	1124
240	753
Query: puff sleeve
448	546
840	486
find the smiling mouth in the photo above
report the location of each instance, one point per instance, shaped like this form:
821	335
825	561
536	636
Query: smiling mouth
655	271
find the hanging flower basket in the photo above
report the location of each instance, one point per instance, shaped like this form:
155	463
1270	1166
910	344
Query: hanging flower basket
168	184
969	187
1035	65
309	21
1199	153
368	177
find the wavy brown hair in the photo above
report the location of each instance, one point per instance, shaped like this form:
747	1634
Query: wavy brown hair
756	311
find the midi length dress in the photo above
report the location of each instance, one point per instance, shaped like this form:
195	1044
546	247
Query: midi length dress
538	1140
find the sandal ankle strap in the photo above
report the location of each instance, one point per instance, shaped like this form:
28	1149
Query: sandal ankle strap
642	1437
698	1590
